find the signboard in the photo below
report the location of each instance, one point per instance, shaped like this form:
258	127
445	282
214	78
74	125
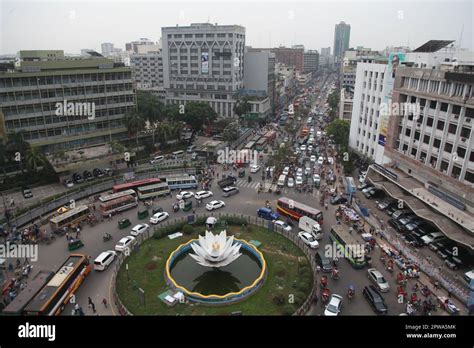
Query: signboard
394	61
205	62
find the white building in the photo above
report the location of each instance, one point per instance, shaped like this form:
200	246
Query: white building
204	63
148	72
311	61
368	95
259	72
107	48
346	101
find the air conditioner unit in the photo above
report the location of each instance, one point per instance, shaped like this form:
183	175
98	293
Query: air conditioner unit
463	140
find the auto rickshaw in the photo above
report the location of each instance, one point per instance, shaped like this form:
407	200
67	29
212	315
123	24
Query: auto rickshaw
75	244
188	205
124	223
142	214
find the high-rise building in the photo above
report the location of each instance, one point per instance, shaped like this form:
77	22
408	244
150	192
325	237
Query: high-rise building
259	72
142	45
429	140
204	62
107	48
30	95
342	33
290	56
311	61
148	72
325	59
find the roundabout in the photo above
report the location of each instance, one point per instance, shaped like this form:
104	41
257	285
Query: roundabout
272	276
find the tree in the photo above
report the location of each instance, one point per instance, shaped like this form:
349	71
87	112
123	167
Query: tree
14	146
149	107
231	132
135	124
241	107
35	158
197	115
339	129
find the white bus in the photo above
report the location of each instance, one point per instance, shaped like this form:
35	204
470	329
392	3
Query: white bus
116	195
156	190
183	181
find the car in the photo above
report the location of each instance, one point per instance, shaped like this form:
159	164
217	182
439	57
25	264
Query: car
325	263
308	239
87	175
367	189
307	170
139	229
68	183
267	214
338	200
433	237
401	213
469	276
454	263
312	158
286	170
157	159
310	148
125	243
212	205
290	182
299	180
333	308
203	194
320	160
26	191
330	160
385	204
283	225
77	178
229	191
184	195
363	186
391	209
405	220
299	172
158	217
375	299
104	260
311	130
254	168
374	193
378	279
413	240
98	173
303	147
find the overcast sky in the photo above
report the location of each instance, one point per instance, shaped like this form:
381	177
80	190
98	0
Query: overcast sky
72	25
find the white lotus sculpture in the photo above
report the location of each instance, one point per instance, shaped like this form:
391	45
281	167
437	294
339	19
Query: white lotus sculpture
215	250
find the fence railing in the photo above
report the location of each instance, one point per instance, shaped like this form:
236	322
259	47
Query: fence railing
254	220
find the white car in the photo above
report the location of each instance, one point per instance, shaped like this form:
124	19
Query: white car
316	178
290	182
203	194
303	147
212	205
299	180
254	169
286	170
330	160
333	308
307	171
310	148
283	225
68	183
125	243
378	279
299	172
158	217
312	158
320	160
184	195
308	239
433	237
139	229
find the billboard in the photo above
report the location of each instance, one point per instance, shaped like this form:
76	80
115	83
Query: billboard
394	61
205	62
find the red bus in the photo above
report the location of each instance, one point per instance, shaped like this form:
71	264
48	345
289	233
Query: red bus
270	135
295	210
135	184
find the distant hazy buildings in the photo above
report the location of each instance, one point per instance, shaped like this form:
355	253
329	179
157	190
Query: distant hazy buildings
290	56
311	61
107	48
148	72
325	58
204	62
342	35
142	45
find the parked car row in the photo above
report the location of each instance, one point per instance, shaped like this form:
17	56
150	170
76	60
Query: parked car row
88	175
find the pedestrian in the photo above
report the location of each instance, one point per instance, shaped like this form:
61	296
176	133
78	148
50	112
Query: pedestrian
78	233
110	216
67	236
104	301
93	307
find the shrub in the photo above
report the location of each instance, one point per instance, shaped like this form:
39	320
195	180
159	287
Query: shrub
288	309
300	297
279	299
304	286
188	229
164	231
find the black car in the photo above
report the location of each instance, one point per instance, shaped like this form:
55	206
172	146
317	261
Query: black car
338	200
405	220
375	299
426	228
391	209
324	262
375	193
414	240
413	224
385	204
456	262
77	178
87	175
98	173
395	224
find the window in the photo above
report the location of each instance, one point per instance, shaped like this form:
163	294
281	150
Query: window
407	132
437	143
440	125
417	135
426	139
448	147
429	121
444	107
469	177
456	109
461	152
433	104
413	152
471	157
444	165
452	128
465	132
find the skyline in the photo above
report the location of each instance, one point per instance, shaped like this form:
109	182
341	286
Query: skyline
269	24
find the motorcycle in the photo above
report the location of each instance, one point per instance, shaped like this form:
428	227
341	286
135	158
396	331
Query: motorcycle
26	271
249	179
335	274
107	237
175	207
350	292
